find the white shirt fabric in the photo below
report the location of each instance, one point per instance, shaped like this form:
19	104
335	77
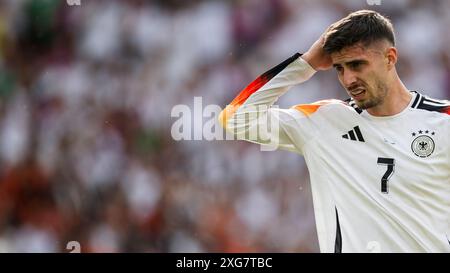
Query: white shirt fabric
379	184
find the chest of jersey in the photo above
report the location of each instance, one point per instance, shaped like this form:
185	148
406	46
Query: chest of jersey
405	154
388	178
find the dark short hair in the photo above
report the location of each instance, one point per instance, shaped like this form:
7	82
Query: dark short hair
363	26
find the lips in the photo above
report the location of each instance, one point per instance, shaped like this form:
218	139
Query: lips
358	93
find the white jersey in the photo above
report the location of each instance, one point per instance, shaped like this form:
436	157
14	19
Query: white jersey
379	184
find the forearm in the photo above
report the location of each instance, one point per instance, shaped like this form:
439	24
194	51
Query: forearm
256	99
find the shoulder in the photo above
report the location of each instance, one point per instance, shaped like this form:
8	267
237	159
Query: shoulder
330	104
426	103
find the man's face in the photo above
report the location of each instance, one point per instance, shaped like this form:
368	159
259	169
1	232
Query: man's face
363	72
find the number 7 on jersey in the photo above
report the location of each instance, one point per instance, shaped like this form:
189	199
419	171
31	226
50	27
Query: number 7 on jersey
390	162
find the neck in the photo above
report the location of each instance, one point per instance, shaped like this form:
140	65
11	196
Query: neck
397	99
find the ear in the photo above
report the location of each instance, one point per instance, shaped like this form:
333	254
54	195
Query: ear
391	57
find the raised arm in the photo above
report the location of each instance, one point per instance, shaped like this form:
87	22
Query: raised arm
250	115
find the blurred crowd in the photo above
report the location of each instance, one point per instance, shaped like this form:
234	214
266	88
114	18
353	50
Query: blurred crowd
86	93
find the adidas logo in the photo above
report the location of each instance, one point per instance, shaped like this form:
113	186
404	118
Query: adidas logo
354	134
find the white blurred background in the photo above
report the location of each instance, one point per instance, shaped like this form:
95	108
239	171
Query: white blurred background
86	94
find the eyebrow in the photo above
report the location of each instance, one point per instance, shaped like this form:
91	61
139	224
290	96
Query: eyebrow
352	62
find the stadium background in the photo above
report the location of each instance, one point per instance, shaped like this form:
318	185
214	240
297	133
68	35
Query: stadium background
86	94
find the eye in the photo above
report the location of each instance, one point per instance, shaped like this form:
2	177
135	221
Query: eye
355	65
339	68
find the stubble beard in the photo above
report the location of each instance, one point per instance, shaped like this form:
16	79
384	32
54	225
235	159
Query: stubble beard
377	99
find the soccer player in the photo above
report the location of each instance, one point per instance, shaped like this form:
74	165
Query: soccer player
379	162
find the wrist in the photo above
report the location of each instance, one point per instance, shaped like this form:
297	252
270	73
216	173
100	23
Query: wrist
310	60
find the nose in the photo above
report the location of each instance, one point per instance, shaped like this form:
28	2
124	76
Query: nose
348	78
